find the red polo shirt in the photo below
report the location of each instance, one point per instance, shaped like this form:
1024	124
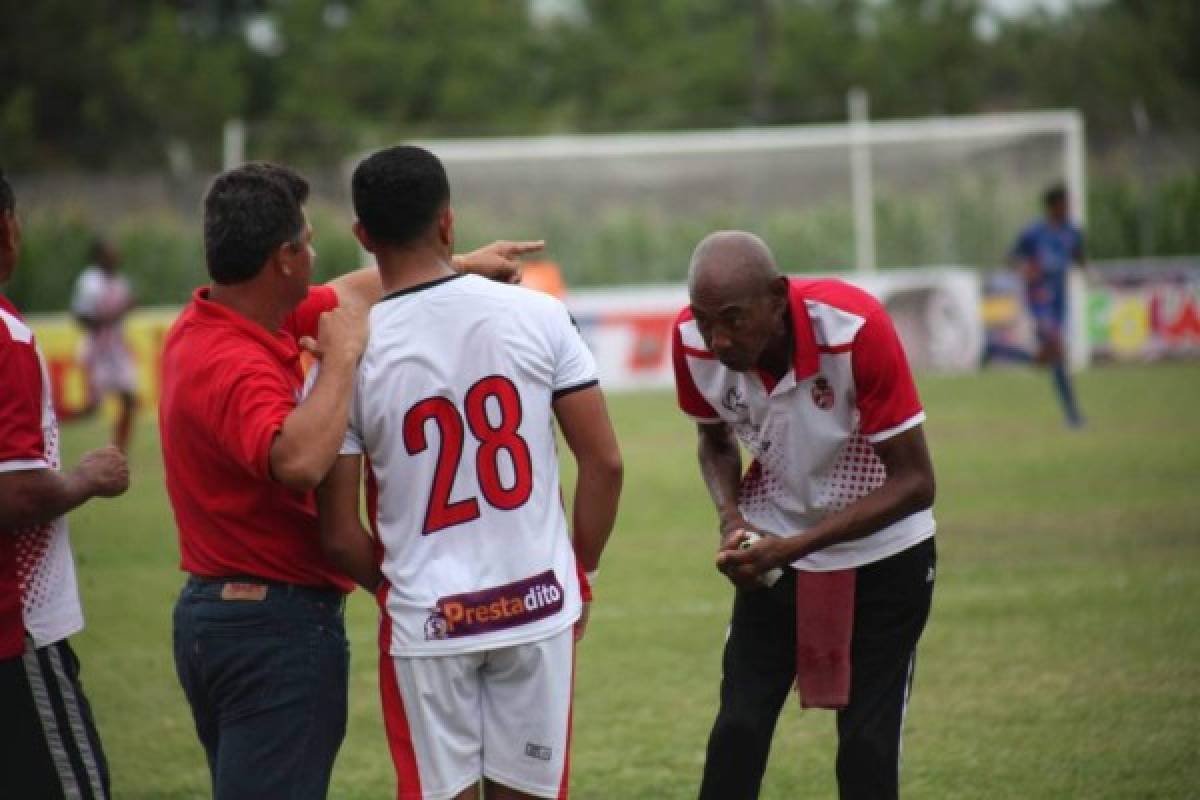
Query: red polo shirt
227	387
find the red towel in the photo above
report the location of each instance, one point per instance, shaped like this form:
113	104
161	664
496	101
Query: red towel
824	622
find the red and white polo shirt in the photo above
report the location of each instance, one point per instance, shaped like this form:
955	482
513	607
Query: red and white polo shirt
811	434
38	594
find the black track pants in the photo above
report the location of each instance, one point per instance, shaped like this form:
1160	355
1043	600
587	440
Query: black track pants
892	599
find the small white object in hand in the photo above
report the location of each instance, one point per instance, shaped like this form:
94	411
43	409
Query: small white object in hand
771	576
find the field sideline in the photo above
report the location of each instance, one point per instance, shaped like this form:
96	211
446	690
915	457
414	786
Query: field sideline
1062	659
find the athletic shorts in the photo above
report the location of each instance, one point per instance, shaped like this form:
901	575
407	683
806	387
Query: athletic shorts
52	749
110	368
503	714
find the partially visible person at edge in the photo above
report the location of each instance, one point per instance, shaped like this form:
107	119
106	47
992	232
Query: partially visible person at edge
1043	255
100	302
810	376
259	639
52	749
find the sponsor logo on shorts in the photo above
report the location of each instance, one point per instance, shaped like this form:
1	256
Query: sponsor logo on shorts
538	751
497	608
822	393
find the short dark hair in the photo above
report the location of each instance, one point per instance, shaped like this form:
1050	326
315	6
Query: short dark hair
248	212
1054	195
398	193
8	201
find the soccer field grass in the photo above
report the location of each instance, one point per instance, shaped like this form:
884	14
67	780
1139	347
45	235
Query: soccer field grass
1062	658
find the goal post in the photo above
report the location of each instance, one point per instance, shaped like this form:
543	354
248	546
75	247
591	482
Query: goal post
948	196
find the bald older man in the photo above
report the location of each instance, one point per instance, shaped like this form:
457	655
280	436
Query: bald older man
828	536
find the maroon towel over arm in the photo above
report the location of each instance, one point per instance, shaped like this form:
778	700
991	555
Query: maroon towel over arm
824	623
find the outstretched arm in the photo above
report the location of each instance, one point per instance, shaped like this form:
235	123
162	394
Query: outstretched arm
499	261
344	539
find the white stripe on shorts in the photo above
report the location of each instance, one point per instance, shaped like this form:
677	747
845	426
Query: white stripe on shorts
58	751
75	717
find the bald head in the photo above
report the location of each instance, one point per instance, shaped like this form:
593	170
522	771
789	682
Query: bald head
738	298
732	264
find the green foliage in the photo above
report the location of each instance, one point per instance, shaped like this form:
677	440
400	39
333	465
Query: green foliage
54	249
1127	220
103	84
162	255
641	244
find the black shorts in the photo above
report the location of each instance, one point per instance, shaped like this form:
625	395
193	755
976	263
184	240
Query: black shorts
52	749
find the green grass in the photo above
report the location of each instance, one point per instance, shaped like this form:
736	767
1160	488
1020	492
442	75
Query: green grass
1062	658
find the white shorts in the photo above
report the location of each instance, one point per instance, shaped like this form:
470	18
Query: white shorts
110	368
502	714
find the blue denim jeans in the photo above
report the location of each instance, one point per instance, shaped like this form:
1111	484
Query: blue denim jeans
266	679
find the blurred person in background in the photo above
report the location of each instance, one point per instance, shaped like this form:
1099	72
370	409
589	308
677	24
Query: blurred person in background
1043	255
101	299
52	749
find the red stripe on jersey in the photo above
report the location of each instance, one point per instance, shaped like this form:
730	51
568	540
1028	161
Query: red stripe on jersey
566	775
691	401
395	720
841	348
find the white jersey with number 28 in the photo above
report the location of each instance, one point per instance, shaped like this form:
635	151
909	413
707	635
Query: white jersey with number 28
452	409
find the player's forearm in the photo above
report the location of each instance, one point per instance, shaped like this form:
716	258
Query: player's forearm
597	494
351	550
721	468
312	435
35	497
898	497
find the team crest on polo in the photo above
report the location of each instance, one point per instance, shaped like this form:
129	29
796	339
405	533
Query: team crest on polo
734	401
822	393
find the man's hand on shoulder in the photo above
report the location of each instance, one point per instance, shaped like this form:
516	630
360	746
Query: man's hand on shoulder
341	335
498	261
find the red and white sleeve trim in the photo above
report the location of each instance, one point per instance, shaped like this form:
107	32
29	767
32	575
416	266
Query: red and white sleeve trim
896	430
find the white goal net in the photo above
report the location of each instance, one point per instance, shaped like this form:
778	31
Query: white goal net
628	208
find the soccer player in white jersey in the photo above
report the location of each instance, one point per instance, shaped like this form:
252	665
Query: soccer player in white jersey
482	585
100	302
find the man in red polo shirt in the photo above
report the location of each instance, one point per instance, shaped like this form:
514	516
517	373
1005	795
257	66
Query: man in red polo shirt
810	377
260	644
51	749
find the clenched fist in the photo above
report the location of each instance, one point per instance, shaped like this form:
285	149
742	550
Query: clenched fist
105	470
341	335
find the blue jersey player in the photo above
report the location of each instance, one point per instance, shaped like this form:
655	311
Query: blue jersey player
1044	253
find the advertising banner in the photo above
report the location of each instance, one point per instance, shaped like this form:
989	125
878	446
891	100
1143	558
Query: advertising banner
628	329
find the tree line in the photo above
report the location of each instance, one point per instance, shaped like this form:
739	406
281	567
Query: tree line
135	84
